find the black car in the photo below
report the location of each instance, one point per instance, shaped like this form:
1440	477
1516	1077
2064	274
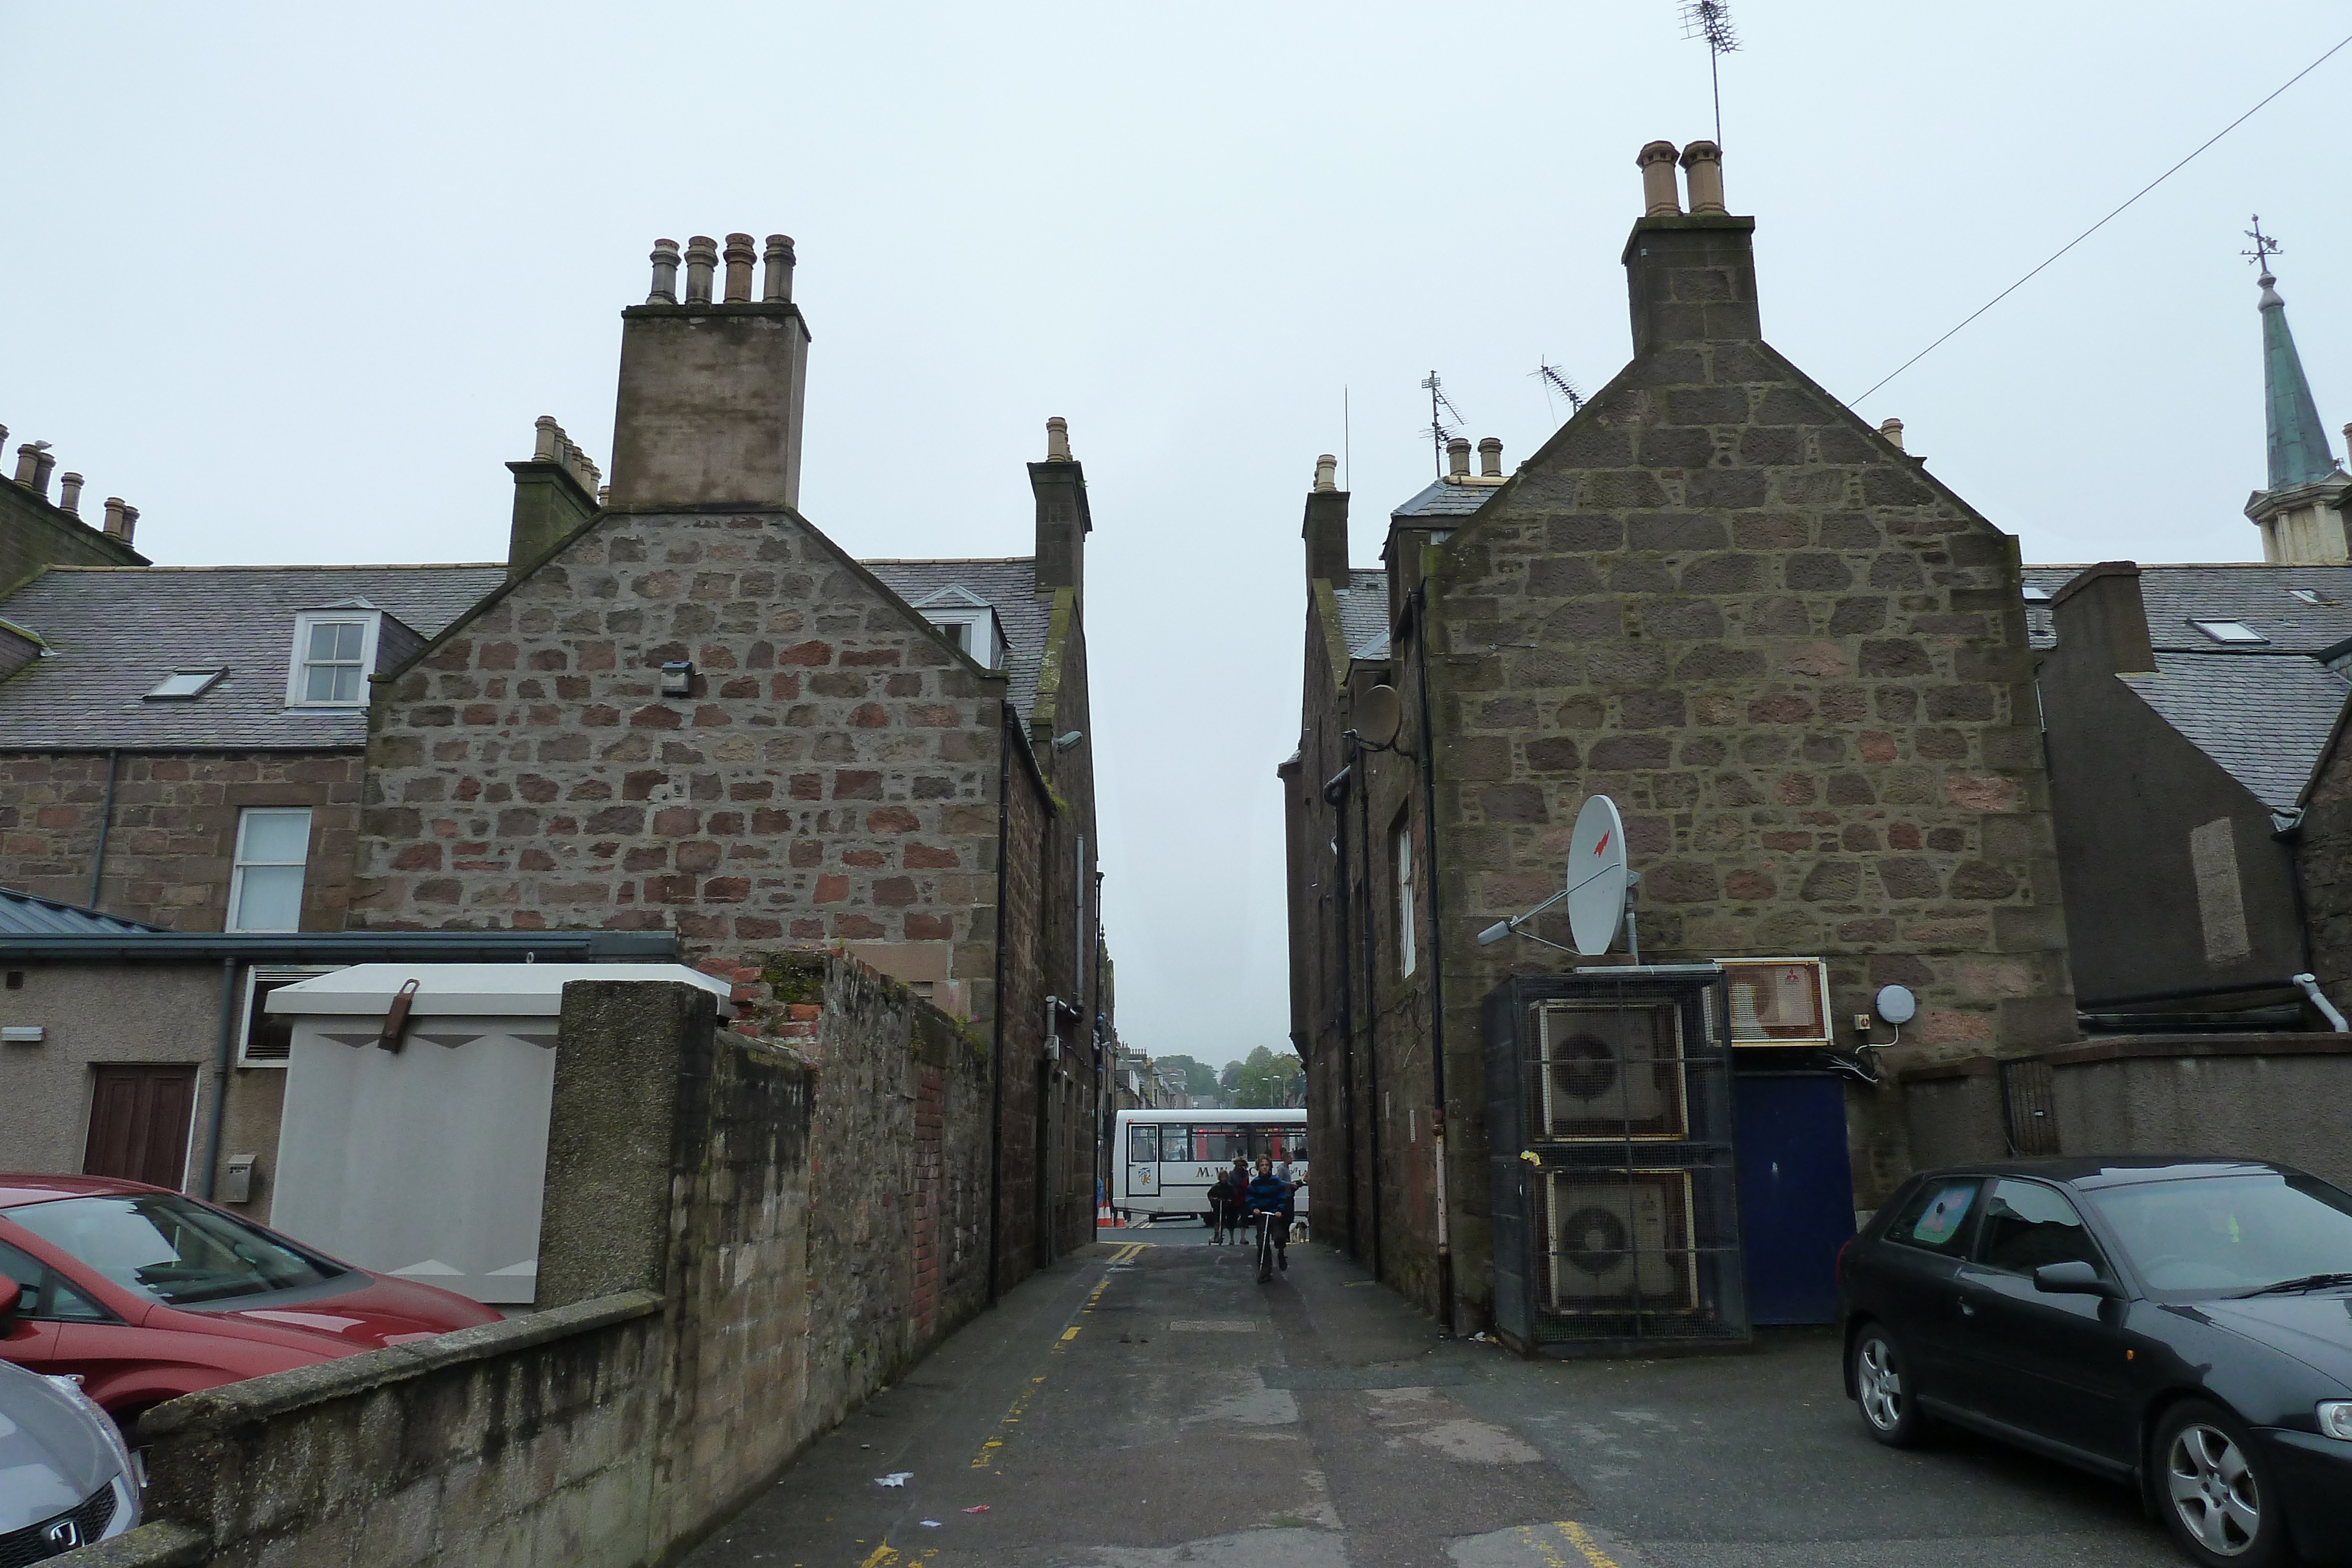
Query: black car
2183	1324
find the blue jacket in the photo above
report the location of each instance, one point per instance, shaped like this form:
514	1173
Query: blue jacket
1268	1195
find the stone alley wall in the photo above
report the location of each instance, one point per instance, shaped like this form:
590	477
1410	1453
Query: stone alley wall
740	1240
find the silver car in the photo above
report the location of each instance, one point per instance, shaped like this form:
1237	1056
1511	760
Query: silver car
65	1477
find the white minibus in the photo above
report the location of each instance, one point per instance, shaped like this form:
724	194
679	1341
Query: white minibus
1165	1161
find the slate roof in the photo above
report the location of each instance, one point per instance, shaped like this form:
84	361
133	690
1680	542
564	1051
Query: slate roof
2263	720
2253	593
1441	499
23	915
1009	585
1364	611
115	632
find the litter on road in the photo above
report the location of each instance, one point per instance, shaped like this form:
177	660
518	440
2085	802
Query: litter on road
894	1479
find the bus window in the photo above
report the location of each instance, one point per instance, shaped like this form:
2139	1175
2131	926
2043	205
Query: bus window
1143	1142
1216	1146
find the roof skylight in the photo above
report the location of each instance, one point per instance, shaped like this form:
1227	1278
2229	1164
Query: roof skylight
2036	595
2309	596
2236	632
182	685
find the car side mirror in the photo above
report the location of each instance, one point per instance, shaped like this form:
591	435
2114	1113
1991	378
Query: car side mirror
11	1296
2073	1279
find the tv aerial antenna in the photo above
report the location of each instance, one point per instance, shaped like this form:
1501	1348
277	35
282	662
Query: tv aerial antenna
1440	432
1598	888
1555	379
1711	20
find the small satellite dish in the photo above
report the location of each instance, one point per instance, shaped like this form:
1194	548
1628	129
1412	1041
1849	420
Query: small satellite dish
1897	1005
1596	876
1379	716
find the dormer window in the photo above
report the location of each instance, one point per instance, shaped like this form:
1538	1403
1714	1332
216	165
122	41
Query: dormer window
2235	632
333	651
967	621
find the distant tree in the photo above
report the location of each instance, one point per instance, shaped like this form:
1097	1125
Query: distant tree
1200	1078
1269	1082
1230	1078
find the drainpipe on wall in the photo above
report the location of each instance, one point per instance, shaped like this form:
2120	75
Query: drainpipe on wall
219	1113
1005	739
105	821
1420	604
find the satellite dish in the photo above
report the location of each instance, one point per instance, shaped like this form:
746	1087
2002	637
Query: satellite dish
1596	876
1379	716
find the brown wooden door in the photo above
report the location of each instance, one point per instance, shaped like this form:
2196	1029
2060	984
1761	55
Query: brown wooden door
139	1124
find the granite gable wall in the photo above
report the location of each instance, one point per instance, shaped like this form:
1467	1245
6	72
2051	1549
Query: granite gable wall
830	779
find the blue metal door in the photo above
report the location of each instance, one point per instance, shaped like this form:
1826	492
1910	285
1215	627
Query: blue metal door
1796	1193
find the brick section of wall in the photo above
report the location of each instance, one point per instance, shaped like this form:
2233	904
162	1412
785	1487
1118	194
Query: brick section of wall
829	779
173	836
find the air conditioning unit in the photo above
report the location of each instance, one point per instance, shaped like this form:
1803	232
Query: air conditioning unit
1778	1001
1621	1240
1611	1070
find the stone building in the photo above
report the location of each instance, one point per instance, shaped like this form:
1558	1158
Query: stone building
690	709
1797	662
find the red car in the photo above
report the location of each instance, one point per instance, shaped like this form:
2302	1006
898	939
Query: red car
146	1294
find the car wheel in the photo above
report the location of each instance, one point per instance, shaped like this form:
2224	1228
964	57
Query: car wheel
2214	1490
1883	1389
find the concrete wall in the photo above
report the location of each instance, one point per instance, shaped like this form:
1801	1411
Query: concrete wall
735	1244
173	837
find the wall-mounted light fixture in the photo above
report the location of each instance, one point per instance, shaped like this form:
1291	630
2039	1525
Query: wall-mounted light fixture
1063	742
678	678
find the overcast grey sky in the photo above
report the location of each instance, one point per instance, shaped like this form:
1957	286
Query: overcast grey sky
295	279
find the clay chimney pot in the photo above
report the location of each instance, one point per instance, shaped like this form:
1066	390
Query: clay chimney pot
701	261
1490	458
740	257
1327	469
1057	439
1659	198
1457	457
28	463
1703	163
1892	429
546	436
777	285
665	260
69	493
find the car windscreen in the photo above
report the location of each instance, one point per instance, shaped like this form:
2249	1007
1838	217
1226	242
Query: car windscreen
170	1249
2223	1236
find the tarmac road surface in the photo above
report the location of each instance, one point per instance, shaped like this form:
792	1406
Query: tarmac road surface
1147	1403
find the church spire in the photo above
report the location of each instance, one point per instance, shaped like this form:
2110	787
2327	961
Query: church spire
2299	511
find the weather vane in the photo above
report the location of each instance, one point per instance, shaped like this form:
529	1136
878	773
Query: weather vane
2264	248
1711	20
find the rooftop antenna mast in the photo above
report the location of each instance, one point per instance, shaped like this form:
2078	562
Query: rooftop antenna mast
1711	20
1439	430
1555	379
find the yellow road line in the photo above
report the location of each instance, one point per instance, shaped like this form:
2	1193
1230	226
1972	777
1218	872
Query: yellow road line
1583	1543
886	1553
986	1458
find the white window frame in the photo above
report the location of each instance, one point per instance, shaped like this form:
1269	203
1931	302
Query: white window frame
1400	858
254	978
369	622
238	864
2225	633
957	608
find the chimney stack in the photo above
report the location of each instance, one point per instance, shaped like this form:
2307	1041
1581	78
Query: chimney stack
665	260
708	413
2101	612
1326	529
555	492
1689	279
1703	165
69	494
1892	429
1064	520
701	261
1659	197
1490	458
740	257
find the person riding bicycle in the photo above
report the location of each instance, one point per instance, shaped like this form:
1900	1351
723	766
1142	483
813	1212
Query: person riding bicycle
1269	1205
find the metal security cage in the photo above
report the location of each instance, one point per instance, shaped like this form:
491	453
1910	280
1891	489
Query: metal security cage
1614	1195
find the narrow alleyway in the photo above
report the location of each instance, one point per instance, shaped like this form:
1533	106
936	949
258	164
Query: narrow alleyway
1147	1403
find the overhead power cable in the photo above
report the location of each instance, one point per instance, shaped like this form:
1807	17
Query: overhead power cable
2103	222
